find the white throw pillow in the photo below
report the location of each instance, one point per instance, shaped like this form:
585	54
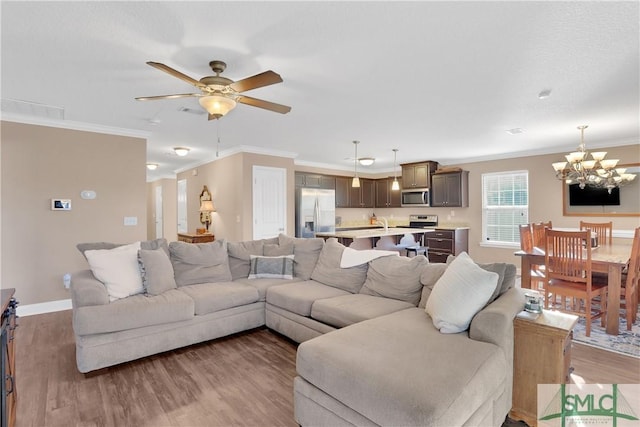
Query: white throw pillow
118	269
462	291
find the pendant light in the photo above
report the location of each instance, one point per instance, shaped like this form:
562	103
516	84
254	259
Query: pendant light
356	181
396	185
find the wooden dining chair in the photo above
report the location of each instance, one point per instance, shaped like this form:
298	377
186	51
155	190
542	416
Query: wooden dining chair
568	276
604	231
630	283
538	233
536	273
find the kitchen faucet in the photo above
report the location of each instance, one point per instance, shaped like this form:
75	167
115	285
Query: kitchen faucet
383	221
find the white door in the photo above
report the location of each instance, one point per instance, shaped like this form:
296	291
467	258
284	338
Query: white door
159	224
269	201
182	206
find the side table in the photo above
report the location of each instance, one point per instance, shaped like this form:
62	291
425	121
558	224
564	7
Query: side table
195	238
541	355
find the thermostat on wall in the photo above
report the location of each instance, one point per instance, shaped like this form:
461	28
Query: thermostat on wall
60	204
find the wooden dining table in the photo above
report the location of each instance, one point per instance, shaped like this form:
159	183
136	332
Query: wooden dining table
610	259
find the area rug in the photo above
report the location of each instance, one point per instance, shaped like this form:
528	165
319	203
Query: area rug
626	342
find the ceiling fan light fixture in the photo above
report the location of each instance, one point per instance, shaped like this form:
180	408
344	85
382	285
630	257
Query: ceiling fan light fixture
181	151
217	105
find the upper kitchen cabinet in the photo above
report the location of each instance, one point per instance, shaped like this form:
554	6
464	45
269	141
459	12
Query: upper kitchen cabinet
418	175
450	189
385	196
343	188
363	196
312	180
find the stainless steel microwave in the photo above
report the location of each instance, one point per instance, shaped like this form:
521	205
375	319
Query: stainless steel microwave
415	197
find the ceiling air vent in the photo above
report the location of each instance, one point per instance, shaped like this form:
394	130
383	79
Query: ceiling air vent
197	111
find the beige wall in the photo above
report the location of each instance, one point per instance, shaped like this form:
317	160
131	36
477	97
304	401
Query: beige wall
40	163
229	181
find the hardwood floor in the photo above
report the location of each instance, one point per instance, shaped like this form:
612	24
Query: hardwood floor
246	380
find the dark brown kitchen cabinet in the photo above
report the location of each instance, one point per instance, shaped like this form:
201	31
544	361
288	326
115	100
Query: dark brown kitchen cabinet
313	180
385	196
418	175
363	196
343	189
450	189
444	242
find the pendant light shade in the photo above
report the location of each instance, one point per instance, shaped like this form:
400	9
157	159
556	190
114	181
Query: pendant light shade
395	186
355	182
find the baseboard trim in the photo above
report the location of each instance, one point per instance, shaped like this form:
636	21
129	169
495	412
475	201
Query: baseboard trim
43	307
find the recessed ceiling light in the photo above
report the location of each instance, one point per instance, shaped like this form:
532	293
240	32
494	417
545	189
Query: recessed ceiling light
515	131
544	94
152	166
181	151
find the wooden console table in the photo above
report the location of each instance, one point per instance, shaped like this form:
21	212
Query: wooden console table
7	358
541	355
196	238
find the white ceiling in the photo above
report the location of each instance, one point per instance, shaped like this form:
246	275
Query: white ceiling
438	80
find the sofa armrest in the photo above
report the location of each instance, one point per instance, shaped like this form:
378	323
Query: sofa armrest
494	324
87	290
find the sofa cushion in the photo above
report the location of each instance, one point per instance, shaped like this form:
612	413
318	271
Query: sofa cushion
299	297
277	250
395	277
429	276
212	297
147	244
263	284
348	309
506	277
399	370
306	252
240	257
117	269
200	262
459	294
133	312
329	272
271	267
156	271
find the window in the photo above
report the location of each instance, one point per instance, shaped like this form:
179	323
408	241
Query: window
505	205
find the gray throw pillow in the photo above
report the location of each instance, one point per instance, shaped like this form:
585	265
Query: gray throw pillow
329	272
200	262
157	271
306	252
395	277
271	267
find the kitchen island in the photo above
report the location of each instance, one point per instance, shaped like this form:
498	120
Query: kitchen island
378	238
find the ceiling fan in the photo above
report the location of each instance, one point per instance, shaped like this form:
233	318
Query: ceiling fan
219	95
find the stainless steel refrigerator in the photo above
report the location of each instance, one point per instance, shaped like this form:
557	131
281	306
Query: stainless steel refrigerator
315	211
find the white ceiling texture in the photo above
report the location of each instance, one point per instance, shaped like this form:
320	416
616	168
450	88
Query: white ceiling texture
440	81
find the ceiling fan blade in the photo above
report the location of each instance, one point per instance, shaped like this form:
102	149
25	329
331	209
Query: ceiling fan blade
259	80
178	95
175	73
272	106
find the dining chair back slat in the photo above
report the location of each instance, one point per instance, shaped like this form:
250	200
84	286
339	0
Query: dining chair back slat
526	237
538	233
629	291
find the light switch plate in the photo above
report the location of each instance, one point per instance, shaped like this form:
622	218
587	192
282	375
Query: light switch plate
130	220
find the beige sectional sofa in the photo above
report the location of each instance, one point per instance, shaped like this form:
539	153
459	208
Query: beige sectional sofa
373	349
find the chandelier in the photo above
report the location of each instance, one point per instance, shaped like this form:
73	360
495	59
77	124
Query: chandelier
597	172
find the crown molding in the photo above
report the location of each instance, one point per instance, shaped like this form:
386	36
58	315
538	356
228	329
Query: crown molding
73	125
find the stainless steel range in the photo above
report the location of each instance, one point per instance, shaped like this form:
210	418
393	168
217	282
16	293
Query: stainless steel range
423	221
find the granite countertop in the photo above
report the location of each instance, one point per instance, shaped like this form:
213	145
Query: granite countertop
373	232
